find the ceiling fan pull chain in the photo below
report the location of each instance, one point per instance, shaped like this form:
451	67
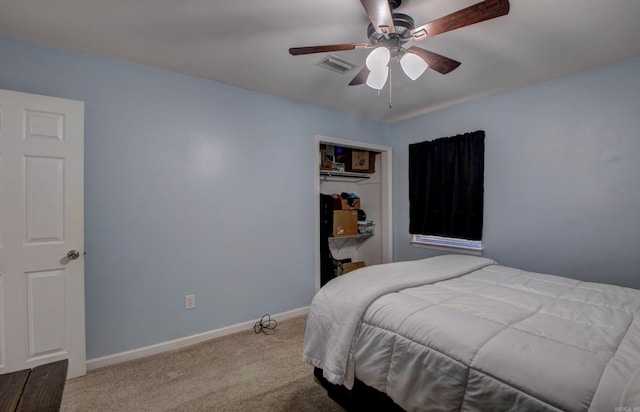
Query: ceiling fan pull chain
390	83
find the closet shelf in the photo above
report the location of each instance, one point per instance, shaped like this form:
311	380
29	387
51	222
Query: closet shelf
333	176
358	236
345	239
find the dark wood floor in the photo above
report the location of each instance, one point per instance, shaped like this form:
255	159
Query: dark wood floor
37	389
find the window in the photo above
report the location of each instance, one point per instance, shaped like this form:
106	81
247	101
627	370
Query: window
446	190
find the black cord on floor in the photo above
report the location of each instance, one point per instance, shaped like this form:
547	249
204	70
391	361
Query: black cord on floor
265	325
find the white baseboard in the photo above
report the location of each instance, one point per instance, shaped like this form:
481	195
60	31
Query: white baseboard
186	341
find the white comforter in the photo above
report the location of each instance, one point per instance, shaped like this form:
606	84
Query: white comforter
462	333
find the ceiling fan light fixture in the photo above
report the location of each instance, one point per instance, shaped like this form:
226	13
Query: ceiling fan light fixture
378	58
378	77
413	65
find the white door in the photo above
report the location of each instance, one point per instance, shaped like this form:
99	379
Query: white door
41	225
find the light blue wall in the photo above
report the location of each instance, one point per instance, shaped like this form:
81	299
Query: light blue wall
562	174
196	187
191	186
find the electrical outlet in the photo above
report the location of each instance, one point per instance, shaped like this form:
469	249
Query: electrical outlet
190	301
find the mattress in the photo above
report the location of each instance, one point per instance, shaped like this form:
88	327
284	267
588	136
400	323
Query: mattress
464	333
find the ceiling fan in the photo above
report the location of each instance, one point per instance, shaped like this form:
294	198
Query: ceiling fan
388	32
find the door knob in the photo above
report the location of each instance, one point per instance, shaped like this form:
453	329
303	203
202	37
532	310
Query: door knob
73	255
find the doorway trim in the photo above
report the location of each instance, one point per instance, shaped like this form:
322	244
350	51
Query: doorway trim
387	194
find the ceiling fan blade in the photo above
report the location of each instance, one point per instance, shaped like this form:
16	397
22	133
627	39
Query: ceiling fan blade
437	62
477	13
380	15
296	51
361	77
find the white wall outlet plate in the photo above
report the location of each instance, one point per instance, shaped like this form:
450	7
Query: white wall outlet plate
190	301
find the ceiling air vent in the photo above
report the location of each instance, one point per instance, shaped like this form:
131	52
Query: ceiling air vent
336	64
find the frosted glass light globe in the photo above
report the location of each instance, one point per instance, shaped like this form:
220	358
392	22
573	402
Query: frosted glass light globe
378	77
413	65
378	58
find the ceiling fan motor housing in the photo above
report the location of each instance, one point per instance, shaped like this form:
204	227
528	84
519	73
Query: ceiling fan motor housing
403	24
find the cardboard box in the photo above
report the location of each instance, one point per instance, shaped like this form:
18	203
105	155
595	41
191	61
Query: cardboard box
345	223
343	204
349	267
362	161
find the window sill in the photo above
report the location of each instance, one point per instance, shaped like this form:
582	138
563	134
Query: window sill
472	247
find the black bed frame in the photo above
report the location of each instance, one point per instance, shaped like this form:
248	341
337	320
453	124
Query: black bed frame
360	398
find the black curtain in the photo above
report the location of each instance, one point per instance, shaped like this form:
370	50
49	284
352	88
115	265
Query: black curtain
446	186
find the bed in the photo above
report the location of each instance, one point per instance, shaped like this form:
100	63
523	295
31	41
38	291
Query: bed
458	332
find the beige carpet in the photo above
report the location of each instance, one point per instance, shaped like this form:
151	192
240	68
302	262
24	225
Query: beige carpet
241	372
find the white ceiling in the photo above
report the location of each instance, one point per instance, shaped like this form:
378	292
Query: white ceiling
245	44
